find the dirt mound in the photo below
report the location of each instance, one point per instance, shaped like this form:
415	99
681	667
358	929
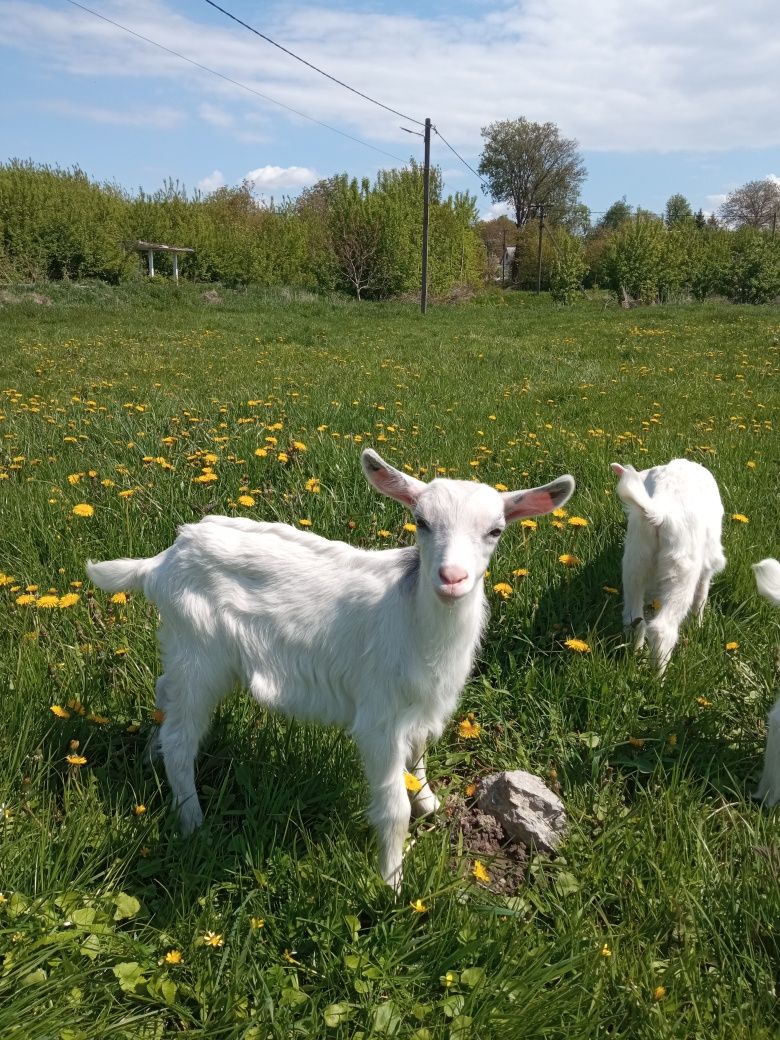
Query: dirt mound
477	836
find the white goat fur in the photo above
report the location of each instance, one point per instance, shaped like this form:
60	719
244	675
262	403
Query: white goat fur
767	574
672	550
379	642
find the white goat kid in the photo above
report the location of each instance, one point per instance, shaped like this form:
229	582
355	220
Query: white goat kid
767	574
379	642
672	550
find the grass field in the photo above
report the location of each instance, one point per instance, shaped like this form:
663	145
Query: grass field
660	916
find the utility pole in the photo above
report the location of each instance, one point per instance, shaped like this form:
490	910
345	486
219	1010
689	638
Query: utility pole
426	210
539	252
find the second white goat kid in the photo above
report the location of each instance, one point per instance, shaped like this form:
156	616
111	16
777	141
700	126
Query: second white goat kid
379	642
672	550
767	574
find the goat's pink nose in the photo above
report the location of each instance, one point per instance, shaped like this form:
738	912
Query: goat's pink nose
452	574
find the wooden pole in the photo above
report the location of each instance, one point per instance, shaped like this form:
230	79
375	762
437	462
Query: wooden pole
426	212
539	253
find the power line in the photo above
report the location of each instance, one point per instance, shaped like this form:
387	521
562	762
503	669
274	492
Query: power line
438	134
309	65
234	82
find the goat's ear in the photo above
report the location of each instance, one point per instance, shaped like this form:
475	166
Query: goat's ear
537	501
617	469
389	481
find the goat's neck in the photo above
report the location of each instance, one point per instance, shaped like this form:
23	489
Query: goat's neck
438	621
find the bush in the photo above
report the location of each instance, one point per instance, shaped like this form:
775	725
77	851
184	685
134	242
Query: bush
568	269
753	274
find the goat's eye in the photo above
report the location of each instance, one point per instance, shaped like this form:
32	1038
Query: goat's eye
496	532
421	524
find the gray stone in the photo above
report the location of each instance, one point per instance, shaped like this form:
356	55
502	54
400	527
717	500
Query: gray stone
527	810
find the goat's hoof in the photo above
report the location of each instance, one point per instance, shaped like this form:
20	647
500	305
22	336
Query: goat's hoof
425	806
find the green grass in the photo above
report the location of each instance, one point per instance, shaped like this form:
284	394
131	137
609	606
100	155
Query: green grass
669	877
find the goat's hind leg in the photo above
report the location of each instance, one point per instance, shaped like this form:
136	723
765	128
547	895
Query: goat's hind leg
768	790
190	695
424	801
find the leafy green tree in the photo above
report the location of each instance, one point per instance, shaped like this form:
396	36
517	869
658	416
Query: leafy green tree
529	165
756	204
568	269
678	211
617	214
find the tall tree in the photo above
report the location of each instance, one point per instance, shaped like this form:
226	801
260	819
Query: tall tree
678	211
756	204
618	213
530	165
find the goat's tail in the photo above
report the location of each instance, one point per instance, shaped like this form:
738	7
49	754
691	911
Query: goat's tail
767	574
119	575
632	492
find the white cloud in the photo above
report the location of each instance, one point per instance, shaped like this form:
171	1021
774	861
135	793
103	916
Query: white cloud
497	209
159	118
660	76
212	182
774	178
266	178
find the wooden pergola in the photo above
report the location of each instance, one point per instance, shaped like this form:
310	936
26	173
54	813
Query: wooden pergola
150	248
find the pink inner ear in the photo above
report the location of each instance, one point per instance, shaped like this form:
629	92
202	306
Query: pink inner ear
393	486
532	503
617	468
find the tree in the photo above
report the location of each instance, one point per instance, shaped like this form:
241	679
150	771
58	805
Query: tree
756	204
530	165
678	211
699	219
618	213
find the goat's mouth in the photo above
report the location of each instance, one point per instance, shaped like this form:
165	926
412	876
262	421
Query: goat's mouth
451	591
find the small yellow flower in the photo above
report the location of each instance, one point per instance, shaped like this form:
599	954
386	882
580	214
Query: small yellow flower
121	651
75	705
261	452
470	790
257	922
127	493
520	572
139	810
313	485
213	939
419	907
671	740
605	951
25	600
500	487
411	782
47	602
70	599
577	521
76	760
83	509
733	645
299	446
750	464
659	993
282	457
569	560
99	720
173	957
740	518
120	598
383	533
304	522
529	525
447	980
480	873
503	589
59	711
132	728
559	513
410	528
468	729
246	500
637	742
703	702
609	589
579	646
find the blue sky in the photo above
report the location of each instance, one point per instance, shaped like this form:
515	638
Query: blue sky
662	96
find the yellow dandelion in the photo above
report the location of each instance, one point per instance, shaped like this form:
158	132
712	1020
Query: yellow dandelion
313	485
173	957
448	979
99	720
76	760
304	522
246	500
605	951
261	452
470	790
579	646
119	598
59	711
70	599
529	525
410	528
468	729
121	651
83	509
127	493
733	645
500	487
25	600
740	518
577	521
637	742
282	456
383	533
750	464
213	939
411	782
480	873
419	907
132	728
520	572
569	560
256	923
559	513
659	993
609	589
703	702
503	589
299	446
139	810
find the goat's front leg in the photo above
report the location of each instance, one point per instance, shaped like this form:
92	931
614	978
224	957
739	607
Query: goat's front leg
423	801
768	790
383	761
